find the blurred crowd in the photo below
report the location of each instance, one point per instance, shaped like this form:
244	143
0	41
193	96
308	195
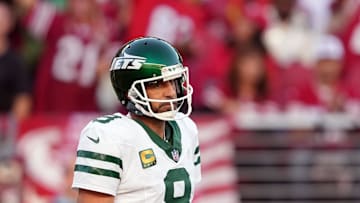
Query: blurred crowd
261	54
264	55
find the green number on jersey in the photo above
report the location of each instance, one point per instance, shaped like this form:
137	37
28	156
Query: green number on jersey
106	119
177	186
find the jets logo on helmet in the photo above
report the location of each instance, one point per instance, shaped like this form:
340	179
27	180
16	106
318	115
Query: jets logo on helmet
127	62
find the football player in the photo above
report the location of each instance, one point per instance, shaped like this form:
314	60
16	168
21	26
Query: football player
152	154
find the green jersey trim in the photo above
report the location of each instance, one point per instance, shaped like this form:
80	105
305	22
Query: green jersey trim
166	146
197	153
198	161
197	150
97	171
101	157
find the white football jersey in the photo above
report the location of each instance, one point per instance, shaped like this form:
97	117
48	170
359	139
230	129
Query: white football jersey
122	157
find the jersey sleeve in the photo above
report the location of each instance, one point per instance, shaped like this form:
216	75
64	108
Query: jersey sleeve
190	124
98	165
197	157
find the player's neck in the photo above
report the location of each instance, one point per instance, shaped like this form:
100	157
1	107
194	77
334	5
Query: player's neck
158	126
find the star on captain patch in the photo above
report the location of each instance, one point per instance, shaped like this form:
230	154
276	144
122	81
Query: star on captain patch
147	158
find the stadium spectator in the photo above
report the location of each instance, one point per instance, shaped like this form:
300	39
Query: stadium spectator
289	40
288	25
326	89
175	21
346	24
15	105
185	27
247	21
247	84
288	36
14	81
74	41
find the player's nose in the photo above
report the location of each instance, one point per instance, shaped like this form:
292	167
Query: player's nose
170	89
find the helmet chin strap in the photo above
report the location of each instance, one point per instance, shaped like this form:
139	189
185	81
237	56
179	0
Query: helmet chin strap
133	108
167	115
142	110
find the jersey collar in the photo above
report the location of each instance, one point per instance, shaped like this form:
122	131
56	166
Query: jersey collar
173	151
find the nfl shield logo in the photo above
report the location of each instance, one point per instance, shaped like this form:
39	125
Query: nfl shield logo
175	155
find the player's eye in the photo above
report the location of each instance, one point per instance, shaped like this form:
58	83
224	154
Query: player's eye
154	84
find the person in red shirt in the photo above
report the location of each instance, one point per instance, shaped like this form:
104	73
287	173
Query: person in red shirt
73	43
247	85
326	90
182	23
346	24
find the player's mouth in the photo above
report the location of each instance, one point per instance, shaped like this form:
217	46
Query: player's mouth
167	106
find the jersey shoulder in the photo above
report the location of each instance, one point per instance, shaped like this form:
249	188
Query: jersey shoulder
113	128
188	124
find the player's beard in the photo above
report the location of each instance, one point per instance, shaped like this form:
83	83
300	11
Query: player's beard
164	107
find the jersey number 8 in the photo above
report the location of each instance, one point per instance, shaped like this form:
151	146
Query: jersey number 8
177	186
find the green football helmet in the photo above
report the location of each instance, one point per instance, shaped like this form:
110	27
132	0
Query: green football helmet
145	60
